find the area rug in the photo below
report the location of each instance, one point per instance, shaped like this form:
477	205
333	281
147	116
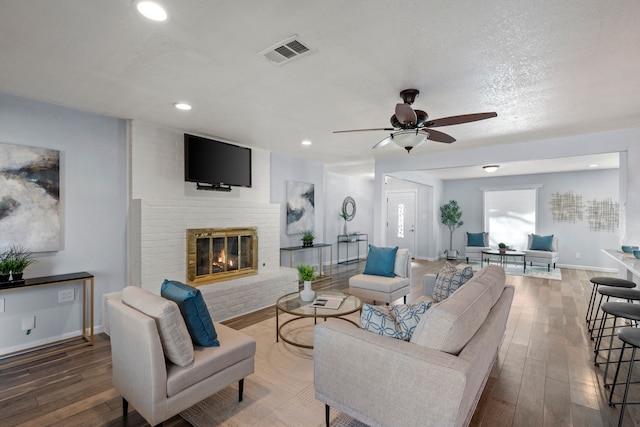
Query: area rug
279	393
538	271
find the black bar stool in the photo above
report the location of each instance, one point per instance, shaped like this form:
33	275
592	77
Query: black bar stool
597	281
629	337
624	310
609	292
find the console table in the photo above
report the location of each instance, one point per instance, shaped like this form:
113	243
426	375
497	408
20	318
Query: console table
352	238
87	314
319	247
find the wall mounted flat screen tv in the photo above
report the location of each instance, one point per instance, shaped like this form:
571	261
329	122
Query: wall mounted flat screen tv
208	161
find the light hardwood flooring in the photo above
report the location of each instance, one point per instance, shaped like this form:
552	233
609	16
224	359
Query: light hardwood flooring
544	374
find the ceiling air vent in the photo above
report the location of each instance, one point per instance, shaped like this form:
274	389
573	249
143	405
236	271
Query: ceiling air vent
286	50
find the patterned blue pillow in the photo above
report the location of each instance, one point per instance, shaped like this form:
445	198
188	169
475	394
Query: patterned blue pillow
378	319
449	279
398	321
407	318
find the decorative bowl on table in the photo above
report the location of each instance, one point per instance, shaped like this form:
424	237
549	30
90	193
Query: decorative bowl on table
636	253
629	249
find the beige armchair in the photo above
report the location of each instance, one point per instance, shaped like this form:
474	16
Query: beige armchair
159	389
474	253
385	289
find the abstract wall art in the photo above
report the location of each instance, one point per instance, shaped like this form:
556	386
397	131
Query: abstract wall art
29	198
300	207
566	207
603	215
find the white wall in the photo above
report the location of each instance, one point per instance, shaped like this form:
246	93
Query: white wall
572	237
93	207
624	141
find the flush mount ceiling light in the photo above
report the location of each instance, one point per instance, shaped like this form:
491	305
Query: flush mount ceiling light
409	139
182	106
594	165
490	168
306	142
151	10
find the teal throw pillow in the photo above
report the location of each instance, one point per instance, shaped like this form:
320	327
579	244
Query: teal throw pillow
541	243
193	310
475	239
448	281
381	261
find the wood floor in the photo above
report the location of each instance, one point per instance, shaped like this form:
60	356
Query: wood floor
544	374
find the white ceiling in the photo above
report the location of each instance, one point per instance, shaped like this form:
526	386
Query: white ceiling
549	69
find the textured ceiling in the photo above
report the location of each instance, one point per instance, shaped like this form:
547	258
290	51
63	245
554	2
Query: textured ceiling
549	69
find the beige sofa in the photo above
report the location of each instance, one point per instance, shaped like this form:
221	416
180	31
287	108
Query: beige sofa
435	379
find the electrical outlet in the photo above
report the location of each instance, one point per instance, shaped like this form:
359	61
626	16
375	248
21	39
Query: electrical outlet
578	255
28	323
66	295
1	305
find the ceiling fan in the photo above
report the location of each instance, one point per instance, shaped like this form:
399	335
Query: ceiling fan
413	127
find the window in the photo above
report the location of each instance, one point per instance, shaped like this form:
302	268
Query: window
400	221
510	216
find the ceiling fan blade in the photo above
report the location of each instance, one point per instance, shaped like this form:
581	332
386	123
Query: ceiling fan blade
456	120
405	114
383	142
362	130
438	136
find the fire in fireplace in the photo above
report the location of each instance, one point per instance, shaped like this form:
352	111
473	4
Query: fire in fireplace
217	254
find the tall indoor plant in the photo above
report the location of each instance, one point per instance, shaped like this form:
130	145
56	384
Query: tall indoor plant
450	215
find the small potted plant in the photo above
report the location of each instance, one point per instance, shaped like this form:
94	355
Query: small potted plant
6	264
307	274
21	258
307	238
502	247
344	215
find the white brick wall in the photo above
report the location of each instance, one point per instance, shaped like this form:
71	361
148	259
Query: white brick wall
164	207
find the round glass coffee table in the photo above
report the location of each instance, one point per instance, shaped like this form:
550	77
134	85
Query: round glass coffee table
292	304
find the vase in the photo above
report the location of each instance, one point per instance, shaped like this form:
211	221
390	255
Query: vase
16	276
307	294
344	229
4	278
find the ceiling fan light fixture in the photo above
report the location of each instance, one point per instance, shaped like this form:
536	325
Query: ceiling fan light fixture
490	168
409	139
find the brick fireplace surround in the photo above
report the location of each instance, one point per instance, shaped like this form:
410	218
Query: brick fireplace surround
158	246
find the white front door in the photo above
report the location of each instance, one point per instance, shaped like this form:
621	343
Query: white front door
401	220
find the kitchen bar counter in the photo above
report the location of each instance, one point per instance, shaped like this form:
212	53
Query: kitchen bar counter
627	260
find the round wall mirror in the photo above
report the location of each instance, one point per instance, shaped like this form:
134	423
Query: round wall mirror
349	207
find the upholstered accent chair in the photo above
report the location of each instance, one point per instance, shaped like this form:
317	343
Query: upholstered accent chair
540	253
385	289
157	368
475	243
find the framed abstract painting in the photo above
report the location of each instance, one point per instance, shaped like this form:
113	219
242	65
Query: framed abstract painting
300	207
29	198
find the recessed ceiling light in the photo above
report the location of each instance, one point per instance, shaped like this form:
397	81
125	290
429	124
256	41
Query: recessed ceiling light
152	10
490	168
182	106
306	142
594	165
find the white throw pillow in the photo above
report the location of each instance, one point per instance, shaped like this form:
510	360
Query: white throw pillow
174	336
400	267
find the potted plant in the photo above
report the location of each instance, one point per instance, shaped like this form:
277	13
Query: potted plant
307	274
21	258
307	238
450	215
502	247
344	215
5	266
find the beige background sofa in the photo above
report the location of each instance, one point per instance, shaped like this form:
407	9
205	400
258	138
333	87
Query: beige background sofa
435	379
